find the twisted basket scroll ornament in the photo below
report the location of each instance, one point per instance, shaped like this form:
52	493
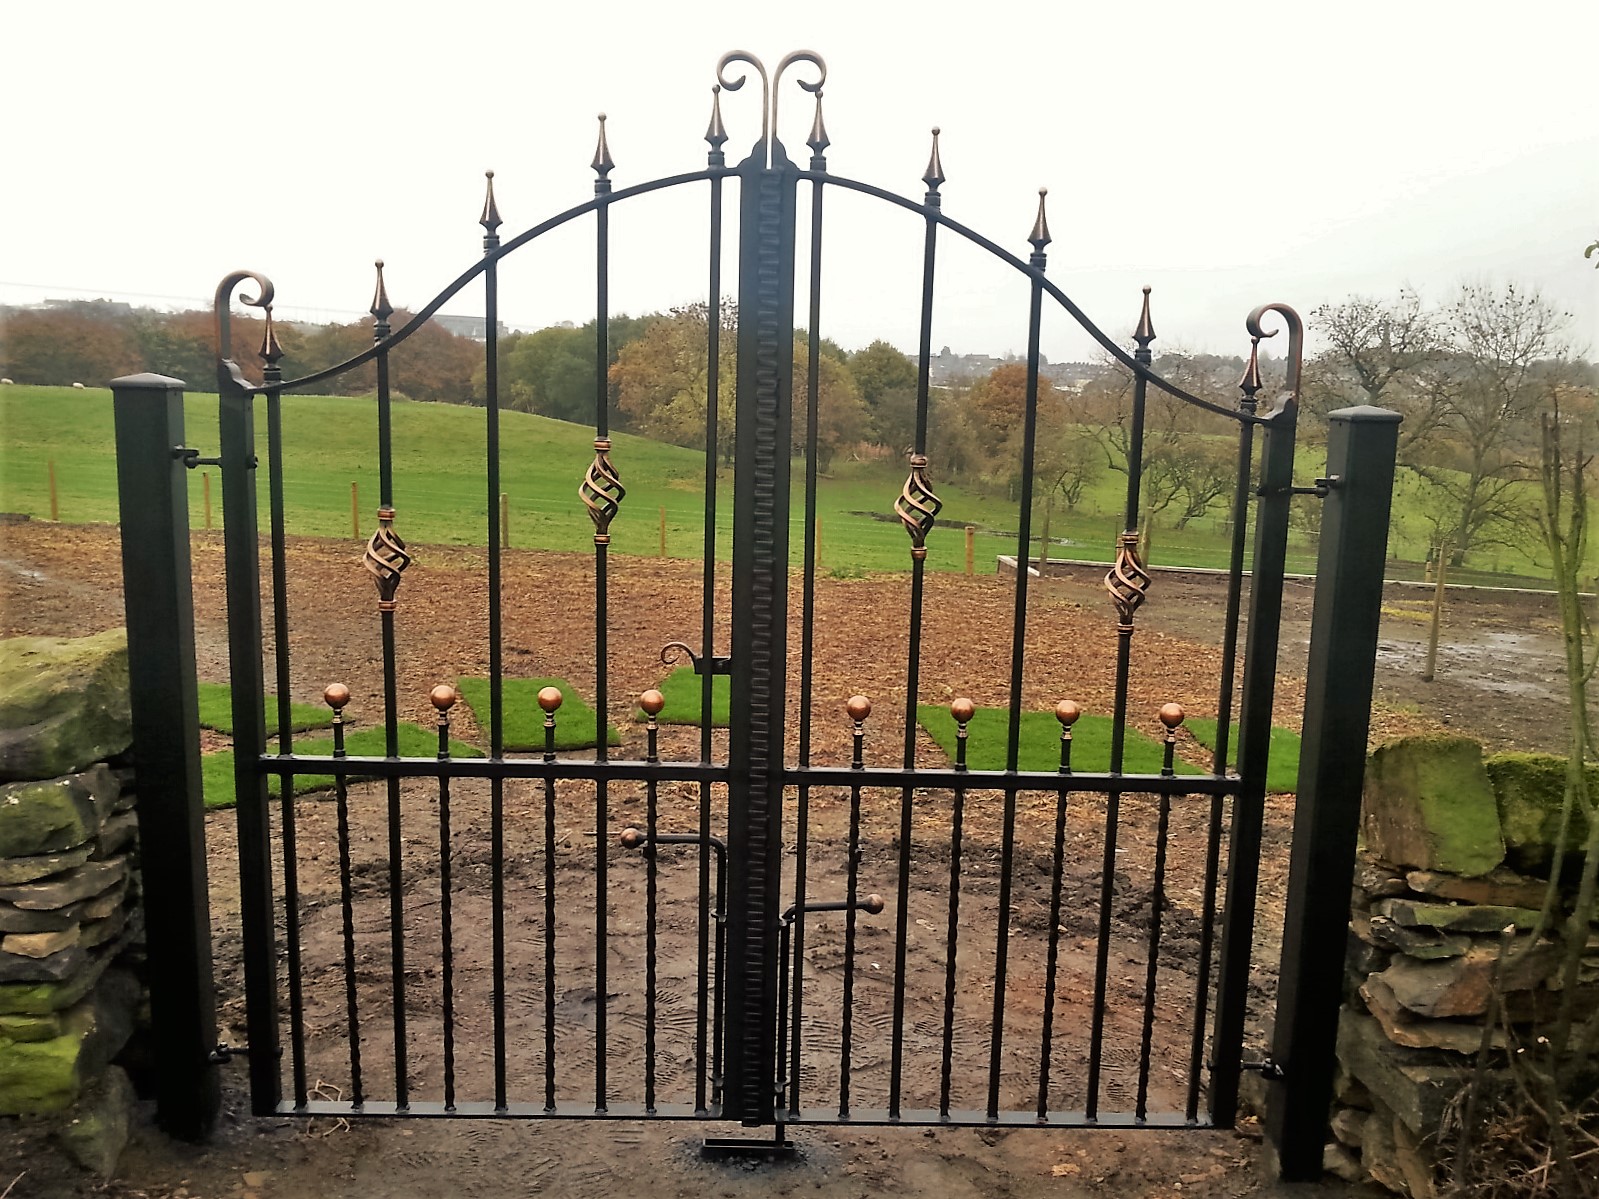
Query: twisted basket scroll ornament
602	491
385	558
1127	581
917	506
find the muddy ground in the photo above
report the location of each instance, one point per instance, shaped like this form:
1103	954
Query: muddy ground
1498	679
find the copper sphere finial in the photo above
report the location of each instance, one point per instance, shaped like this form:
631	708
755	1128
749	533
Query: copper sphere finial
858	707
444	697
632	838
550	698
873	904
962	709
1067	712
336	695
652	701
1171	715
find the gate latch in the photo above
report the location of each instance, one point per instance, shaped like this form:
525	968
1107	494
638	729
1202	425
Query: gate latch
191	458
225	1053
707	664
1319	490
1269	1070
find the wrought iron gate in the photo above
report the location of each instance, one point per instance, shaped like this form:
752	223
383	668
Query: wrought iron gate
768	1023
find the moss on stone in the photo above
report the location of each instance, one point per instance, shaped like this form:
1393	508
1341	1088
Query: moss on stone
1530	790
54	814
1428	804
40	1076
63	703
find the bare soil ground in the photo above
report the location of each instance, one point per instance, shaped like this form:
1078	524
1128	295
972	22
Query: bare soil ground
1498	679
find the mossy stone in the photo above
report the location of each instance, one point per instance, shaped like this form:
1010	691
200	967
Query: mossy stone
57	814
1530	790
40	1076
1428	804
63	703
29	1028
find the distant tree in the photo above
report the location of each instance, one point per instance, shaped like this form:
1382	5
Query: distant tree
887	382
661	378
1381	352
88	343
842	418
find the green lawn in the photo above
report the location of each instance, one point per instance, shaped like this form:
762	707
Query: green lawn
216	712
1282	758
524	719
216	769
330	443
682	689
1040	742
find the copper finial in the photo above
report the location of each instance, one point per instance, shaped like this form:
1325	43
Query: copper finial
336	695
1067	712
652	701
632	838
602	163
1040	234
490	219
858	707
1145	333
962	709
381	308
1171	715
444	697
550	698
1251	381
270	350
818	140
934	175
873	903
716	132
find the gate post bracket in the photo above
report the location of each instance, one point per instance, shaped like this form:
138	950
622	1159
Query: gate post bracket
1361	449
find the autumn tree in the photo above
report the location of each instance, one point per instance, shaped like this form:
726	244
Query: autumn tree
661	379
887	382
842	418
88	343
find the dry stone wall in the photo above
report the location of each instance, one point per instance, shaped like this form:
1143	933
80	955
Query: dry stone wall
70	921
1456	851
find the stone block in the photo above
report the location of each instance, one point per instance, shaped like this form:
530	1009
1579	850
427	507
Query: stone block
97	1132
1462	986
30	1028
1428	805
55	968
1413	1084
40	1076
63	703
98	932
117	834
40	998
1376	879
40	945
43	865
1414	1157
54	814
1346	1125
1402	1028
1530	791
62	890
1501	888
1378	1154
1415	943
1465	918
1340	1162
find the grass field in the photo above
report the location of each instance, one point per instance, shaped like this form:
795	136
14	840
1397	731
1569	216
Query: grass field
216	712
682	690
330	444
1039	747
575	722
1282	758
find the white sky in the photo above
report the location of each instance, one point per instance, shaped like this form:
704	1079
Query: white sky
1226	154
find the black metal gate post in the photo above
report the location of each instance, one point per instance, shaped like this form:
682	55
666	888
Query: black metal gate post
236	428
1361	446
153	497
759	628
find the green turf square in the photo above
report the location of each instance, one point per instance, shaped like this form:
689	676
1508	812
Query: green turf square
682	689
216	769
216	712
1040	742
524	719
1282	757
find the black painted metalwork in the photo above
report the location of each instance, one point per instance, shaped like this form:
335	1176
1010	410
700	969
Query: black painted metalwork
775	1005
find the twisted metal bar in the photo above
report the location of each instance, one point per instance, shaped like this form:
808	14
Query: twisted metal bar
601	491
1127	581
917	506
385	559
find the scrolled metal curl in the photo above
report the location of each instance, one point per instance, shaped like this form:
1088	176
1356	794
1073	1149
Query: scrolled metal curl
769	84
1296	341
672	653
227	369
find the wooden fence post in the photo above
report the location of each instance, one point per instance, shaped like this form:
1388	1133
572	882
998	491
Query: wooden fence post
971	547
505	521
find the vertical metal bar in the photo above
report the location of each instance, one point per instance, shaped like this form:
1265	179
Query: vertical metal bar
1249	385
760	621
1361	445
337	695
236	430
443	697
152	488
1254	728
291	937
1171	716
602	831
847	1016
1040	239
549	705
650	909
1067	713
1207	937
952	932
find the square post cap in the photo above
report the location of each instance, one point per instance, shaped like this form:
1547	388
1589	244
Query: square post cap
147	381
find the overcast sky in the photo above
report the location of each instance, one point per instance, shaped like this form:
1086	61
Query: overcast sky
1225	154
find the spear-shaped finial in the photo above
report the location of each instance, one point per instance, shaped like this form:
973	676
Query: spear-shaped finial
381	308
602	163
270	350
818	140
1145	333
1040	234
1251	382
716	132
934	175
490	220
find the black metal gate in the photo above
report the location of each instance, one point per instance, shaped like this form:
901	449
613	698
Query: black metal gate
1007	975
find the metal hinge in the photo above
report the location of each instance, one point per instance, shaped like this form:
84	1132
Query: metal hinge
192	459
1320	490
1269	1070
225	1053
